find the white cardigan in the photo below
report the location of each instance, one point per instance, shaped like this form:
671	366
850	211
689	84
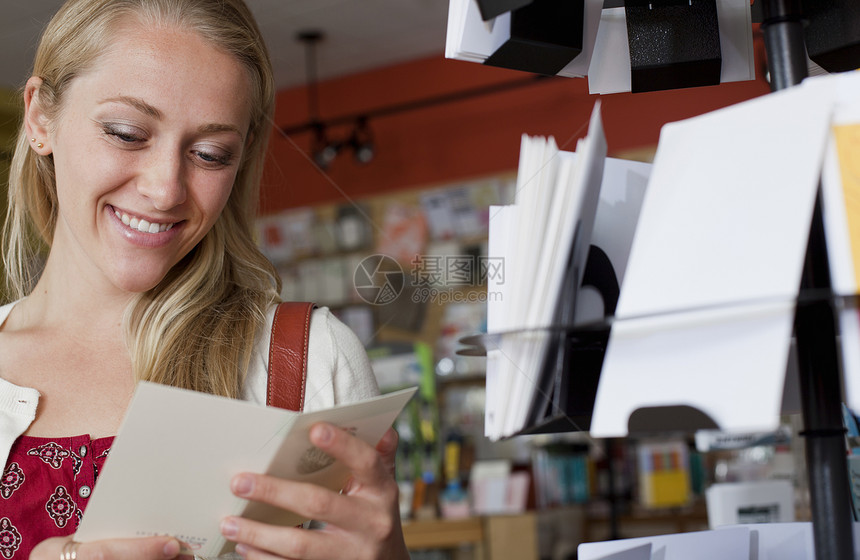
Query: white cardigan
338	372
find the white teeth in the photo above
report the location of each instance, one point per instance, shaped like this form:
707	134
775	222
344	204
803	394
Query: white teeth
142	225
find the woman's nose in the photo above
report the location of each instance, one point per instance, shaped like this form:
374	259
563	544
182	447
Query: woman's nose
163	182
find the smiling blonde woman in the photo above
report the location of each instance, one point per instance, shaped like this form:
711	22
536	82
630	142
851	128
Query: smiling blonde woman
129	247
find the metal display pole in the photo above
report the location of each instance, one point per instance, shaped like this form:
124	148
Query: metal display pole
782	26
814	327
821	400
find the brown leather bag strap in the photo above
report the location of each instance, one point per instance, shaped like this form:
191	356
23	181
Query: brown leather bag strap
288	355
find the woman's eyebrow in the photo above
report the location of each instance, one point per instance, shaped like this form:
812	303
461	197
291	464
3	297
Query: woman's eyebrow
136	103
218	127
151	111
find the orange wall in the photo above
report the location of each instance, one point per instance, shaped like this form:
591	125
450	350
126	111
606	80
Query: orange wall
463	139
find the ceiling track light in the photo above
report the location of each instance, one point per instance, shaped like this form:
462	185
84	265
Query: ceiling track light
361	142
324	150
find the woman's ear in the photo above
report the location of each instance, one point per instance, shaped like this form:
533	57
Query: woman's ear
35	120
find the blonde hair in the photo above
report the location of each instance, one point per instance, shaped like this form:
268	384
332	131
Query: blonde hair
196	329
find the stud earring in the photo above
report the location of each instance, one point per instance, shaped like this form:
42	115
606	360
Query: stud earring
40	145
32	139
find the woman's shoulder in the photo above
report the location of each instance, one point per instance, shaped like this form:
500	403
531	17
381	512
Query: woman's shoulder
338	369
328	336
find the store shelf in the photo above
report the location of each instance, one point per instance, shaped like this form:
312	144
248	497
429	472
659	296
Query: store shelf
443	533
501	537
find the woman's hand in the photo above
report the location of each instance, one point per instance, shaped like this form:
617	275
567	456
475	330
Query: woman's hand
149	548
362	522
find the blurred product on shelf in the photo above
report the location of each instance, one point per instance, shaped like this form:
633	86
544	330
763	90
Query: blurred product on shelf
664	474
563	475
453	502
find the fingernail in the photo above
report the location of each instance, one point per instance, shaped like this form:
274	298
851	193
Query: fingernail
229	528
171	549
323	434
242	485
241	550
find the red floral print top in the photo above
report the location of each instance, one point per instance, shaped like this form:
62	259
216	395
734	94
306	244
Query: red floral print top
45	488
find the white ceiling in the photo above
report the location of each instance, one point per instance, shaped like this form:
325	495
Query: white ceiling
359	34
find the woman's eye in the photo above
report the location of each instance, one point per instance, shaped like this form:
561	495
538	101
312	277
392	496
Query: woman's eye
123	134
125	137
212	159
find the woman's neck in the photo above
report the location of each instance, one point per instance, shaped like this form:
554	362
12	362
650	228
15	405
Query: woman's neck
61	302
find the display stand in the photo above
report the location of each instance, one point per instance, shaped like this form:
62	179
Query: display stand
567	402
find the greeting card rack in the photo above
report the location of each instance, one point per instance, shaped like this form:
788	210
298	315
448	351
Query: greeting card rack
567	407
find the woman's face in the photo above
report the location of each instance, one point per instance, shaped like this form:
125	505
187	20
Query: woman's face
146	149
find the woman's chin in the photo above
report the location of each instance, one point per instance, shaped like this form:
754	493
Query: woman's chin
138	284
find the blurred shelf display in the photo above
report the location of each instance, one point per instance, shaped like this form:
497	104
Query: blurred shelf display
511	537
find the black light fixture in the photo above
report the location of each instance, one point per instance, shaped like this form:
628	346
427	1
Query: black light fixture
361	141
325	150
